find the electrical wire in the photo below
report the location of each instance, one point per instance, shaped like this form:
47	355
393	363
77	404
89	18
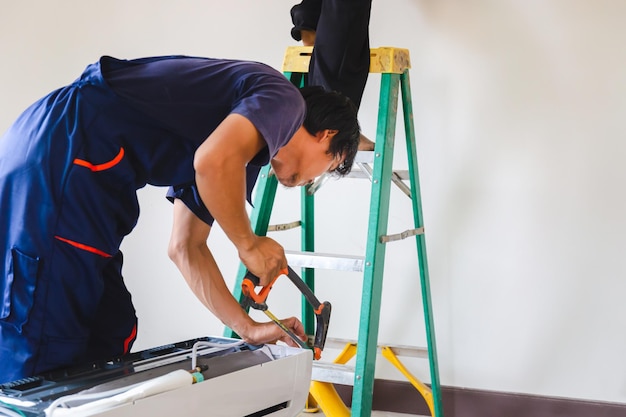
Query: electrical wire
67	399
164	383
10	411
194	350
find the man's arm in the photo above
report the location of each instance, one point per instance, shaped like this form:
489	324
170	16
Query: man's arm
220	165
189	251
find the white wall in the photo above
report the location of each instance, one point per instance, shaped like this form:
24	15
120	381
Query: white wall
519	110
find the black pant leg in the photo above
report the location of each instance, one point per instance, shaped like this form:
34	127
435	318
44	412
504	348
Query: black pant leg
341	56
305	16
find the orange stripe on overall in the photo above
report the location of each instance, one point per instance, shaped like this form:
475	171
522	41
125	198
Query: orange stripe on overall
101	167
130	338
84	247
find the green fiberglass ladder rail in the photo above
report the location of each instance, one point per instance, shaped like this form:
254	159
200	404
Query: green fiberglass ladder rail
393	65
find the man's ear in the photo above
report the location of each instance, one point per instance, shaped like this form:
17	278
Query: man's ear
326	134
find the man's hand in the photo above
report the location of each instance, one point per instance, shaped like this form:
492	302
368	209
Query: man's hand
269	332
265	259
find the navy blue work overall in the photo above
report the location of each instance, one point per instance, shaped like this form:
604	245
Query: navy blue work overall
69	170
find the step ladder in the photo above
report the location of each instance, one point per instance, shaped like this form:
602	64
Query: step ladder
393	65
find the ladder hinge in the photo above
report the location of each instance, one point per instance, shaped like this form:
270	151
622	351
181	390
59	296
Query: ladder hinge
403	235
284	226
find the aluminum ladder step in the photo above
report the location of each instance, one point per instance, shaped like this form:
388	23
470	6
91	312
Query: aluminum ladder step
335	373
325	261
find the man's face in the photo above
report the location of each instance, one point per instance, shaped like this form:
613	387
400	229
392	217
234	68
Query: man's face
304	158
305	173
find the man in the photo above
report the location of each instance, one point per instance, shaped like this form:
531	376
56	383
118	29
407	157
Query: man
72	162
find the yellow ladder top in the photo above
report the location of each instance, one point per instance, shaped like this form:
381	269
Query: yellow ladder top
382	60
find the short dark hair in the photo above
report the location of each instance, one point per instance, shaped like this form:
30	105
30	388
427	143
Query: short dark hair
332	110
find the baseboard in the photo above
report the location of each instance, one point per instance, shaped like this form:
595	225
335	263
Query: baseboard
401	397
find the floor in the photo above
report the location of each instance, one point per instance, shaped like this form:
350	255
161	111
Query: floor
374	414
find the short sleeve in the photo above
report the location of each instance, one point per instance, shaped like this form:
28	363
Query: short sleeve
189	195
275	107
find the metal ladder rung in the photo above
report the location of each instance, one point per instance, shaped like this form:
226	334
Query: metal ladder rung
364	172
360	174
398	350
325	261
336	373
363	160
332	372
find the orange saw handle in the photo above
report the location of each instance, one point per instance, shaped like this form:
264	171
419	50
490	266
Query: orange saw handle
251	281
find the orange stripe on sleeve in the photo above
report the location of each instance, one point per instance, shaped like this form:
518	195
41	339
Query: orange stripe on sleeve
101	167
84	247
